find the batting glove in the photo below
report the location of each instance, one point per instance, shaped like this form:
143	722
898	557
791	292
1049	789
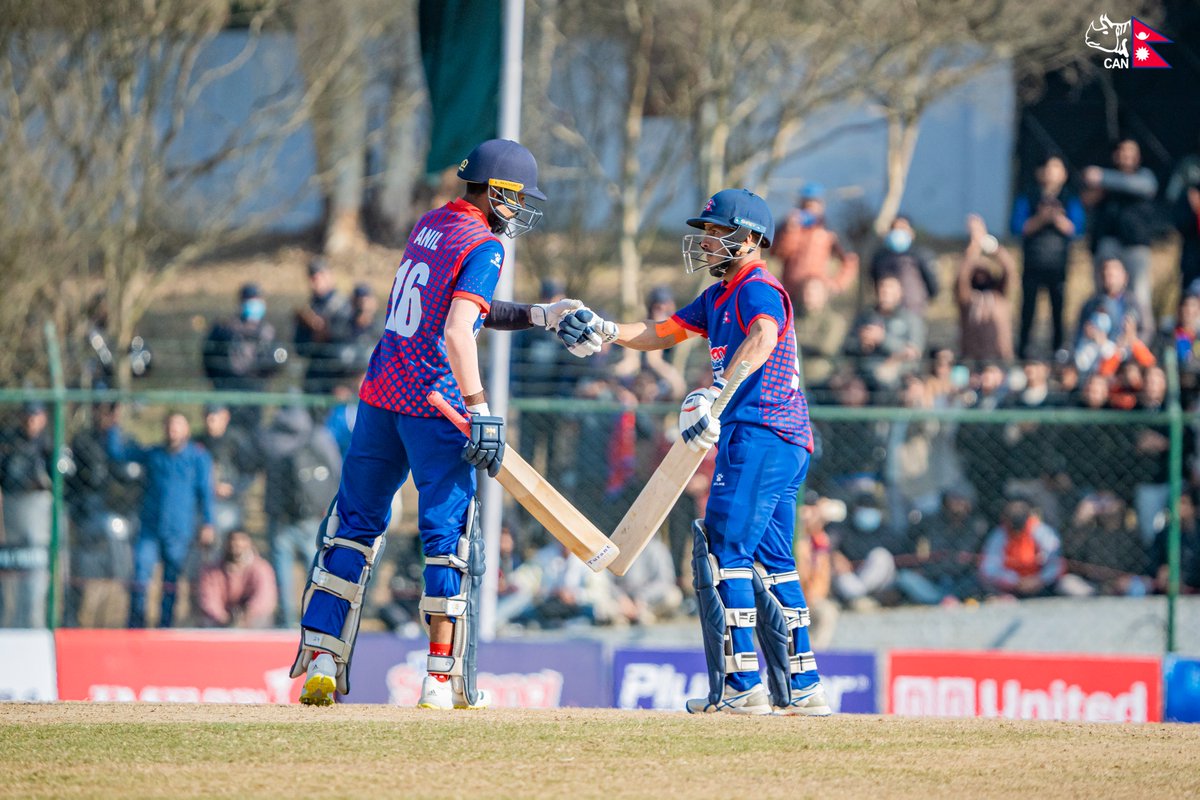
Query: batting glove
485	447
699	428
584	332
549	315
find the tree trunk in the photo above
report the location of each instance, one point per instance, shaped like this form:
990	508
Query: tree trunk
902	131
642	26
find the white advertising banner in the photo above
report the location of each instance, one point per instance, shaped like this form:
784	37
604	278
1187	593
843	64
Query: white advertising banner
27	667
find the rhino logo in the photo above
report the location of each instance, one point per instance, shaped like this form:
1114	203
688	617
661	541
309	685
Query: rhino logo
1108	36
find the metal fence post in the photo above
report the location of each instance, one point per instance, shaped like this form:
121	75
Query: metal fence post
1176	475
56	476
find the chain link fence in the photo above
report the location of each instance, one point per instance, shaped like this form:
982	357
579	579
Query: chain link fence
911	502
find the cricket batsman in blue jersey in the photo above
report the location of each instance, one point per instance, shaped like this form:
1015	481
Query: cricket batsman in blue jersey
441	297
743	559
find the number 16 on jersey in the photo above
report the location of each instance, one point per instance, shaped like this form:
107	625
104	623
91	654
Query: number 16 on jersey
405	316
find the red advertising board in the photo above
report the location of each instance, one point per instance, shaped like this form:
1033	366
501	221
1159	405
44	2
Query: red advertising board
176	666
1083	688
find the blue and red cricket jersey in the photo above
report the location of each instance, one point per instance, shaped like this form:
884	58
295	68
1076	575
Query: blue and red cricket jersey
771	396
451	253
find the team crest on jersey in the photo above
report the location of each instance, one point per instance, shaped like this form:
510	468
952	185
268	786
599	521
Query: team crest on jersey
717	356
725	318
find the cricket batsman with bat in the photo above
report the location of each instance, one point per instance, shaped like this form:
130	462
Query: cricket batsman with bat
441	297
742	557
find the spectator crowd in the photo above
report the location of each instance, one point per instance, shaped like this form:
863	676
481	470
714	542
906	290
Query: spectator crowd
927	507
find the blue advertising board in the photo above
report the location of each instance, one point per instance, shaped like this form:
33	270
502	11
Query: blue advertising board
664	679
1181	682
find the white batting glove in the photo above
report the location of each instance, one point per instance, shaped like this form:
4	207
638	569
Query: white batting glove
699	428
549	315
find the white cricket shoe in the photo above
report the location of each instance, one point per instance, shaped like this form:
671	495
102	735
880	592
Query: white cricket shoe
320	682
808	702
752	701
436	694
483	701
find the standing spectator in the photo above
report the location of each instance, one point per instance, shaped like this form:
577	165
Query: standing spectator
26	464
985	298
912	266
1046	220
1122	199
177	510
1022	555
235	464
888	339
317	324
238	590
806	246
942	566
980	443
241	354
101	498
1103	318
303	466
1150	464
1186	211
820	332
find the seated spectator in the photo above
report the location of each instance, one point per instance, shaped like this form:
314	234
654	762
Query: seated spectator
980	444
912	266
942	567
1128	356
814	563
1102	321
1022	556
1186	216
1189	550
820	332
235	466
985	297
238	590
1150	465
241	354
806	248
1094	393
649	591
1183	337
863	567
1104	549
560	590
914	475
888	339
316	325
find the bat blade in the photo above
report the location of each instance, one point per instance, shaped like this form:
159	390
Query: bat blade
653	504
662	490
537	496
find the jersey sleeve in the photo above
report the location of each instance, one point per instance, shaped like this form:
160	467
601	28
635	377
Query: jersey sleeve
479	273
758	299
694	316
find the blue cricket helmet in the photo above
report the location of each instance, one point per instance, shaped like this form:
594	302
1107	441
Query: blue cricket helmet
738	209
504	164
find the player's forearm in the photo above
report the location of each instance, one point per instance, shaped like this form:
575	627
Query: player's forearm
757	347
643	336
461	351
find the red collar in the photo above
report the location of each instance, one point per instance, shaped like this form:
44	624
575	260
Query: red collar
738	280
461	206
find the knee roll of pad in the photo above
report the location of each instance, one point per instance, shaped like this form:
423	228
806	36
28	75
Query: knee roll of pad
321	579
463	608
776	623
717	621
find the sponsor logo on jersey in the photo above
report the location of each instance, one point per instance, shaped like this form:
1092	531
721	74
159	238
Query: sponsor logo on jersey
717	356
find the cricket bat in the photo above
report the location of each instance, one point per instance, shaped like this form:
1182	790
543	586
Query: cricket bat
543	501
658	496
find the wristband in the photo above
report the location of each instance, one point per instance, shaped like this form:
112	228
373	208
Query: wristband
475	398
479	409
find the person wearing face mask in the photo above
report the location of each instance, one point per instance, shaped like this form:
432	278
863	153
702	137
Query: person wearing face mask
1022	556
864	569
912	265
806	246
241	354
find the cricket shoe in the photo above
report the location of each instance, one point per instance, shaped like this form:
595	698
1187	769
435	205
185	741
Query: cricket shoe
436	694
808	702
483	700
320	682
752	701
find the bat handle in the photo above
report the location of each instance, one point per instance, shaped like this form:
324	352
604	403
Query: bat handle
448	411
739	375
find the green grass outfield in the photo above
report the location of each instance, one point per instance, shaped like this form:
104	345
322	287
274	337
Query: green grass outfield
180	751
